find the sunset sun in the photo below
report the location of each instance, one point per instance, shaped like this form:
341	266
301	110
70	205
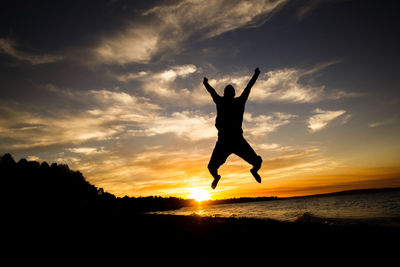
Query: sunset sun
199	195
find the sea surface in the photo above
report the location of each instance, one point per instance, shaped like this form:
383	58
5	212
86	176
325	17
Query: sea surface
381	208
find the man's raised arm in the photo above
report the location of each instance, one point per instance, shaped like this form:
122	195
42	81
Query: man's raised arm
246	91
211	90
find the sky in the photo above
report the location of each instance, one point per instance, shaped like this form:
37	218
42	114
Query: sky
114	89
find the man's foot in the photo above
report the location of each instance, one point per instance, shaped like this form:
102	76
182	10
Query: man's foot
258	163
215	182
256	175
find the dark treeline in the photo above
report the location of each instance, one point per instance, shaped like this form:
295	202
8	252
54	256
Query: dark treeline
33	186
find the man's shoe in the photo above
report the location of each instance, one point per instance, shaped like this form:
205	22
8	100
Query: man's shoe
256	175
215	182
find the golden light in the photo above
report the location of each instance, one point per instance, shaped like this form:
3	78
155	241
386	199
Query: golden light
199	195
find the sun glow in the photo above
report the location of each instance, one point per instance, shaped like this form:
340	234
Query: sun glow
199	195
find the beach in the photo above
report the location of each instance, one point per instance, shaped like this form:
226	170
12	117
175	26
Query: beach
196	240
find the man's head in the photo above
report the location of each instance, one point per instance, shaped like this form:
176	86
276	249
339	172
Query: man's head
229	92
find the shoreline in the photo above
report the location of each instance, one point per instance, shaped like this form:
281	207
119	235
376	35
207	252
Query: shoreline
305	217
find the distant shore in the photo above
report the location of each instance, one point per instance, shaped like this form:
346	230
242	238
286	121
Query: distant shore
353	192
338	193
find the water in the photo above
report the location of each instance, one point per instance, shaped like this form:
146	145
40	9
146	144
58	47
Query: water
381	208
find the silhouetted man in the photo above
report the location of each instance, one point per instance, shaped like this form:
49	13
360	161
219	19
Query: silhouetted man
230	134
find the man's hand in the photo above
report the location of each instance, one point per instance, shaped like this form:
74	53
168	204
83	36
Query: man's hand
257	71
205	80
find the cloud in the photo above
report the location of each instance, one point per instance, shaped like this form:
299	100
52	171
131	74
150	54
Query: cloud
284	86
289	85
213	17
186	124
175	72
386	122
258	126
9	47
114	115
196	126
29	130
105	103
308	7
322	118
163	85
272	146
295	85
280	85
135	44
168	75
87	150
106	114
102	115
166	27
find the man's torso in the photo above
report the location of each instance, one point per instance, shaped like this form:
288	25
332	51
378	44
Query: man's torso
230	116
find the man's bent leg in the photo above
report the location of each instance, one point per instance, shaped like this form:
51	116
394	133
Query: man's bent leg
246	152
214	172
254	170
257	163
218	157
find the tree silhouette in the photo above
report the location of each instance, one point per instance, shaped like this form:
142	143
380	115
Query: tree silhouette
30	186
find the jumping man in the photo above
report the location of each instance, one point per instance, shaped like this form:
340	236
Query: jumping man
230	134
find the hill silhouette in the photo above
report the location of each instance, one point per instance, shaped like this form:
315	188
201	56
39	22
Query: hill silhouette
33	186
